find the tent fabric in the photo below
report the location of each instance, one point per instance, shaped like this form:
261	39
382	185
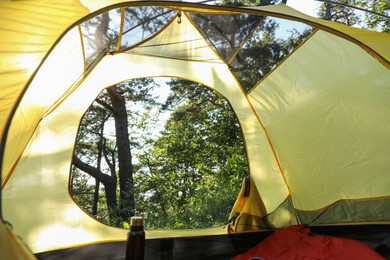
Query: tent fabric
11	247
22	52
347	211
316	125
360	107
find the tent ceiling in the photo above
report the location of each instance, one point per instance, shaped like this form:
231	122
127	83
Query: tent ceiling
21	55
229	35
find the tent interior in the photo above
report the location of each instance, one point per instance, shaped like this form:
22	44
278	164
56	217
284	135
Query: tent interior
316	121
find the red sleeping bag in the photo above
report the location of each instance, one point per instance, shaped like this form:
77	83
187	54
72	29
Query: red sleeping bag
297	242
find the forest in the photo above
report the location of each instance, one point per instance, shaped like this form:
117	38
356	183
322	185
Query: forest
172	150
184	174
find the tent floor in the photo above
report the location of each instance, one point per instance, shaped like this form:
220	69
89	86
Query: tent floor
218	247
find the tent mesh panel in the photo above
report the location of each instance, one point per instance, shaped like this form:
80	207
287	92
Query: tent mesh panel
226	32
100	34
143	22
272	41
252	45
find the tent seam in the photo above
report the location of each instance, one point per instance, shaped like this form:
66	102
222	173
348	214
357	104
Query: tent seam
257	84
246	40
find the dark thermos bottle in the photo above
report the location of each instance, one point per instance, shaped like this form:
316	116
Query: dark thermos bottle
135	245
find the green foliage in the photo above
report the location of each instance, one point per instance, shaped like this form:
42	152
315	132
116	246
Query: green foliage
82	190
195	168
187	177
375	22
357	18
265	50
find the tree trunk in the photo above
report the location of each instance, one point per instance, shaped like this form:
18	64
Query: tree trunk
95	198
110	189
126	201
327	11
109	183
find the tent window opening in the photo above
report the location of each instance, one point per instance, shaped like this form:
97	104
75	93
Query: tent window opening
170	150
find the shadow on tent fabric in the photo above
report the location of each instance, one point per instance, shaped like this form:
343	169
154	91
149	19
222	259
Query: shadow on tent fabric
11	246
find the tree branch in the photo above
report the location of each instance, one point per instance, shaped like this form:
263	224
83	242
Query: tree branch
104	104
354	7
94	172
111	164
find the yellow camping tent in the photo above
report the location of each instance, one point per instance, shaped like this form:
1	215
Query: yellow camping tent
316	126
